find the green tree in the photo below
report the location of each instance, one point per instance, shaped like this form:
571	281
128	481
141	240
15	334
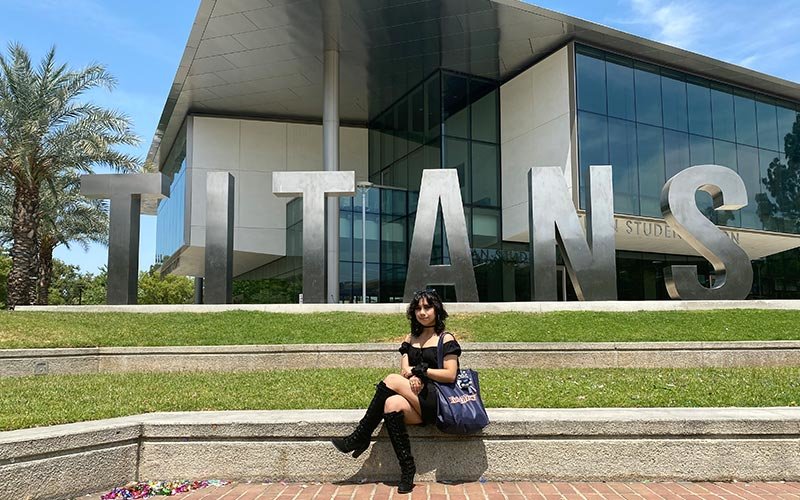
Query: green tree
169	289
780	209
66	286
94	287
45	132
67	217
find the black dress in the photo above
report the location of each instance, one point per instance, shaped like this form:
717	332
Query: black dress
428	396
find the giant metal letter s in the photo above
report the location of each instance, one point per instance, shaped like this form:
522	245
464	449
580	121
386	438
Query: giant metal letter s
732	268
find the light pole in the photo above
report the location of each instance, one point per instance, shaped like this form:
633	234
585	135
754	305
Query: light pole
364	187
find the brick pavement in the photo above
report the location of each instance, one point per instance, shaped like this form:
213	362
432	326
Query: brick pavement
497	491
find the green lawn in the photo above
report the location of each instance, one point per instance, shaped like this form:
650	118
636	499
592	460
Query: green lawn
38	329
53	399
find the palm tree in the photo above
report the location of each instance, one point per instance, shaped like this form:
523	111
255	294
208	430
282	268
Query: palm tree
45	131
67	217
6	197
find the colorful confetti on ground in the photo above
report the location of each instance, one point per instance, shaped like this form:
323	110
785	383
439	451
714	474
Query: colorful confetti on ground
135	490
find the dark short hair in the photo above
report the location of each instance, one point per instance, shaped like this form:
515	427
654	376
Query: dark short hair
432	298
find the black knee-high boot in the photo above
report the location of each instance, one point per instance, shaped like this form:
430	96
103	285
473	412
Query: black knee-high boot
358	440
396	428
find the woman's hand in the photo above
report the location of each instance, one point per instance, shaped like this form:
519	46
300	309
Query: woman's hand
416	384
406	372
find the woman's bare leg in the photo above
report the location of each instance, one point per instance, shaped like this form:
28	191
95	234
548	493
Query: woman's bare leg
399	384
399	403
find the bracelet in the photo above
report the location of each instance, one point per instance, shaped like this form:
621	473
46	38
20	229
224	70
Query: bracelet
420	370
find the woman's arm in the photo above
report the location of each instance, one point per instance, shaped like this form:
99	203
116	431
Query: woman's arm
405	368
446	374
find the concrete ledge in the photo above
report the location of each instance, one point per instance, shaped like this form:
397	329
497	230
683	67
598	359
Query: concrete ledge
452	307
24	362
696	444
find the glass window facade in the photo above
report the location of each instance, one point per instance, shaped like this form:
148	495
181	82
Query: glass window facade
647	121
171	211
450	120
651	122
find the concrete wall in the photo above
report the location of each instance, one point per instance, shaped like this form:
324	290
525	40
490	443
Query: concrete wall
535	130
251	150
26	362
692	444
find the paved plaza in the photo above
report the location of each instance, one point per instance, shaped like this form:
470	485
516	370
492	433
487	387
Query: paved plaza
497	491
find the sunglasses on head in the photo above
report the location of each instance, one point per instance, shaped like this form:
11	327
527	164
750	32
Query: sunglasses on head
420	293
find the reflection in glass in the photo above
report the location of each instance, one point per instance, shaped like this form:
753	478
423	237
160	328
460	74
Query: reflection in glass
401	112
393	243
433	111
786	119
484	118
779	202
416	136
648	94
416	164
374	151
592	146
456	155
750	173
722	113
346	236
623	156
485	228
767	126
650	143
387	140
619	72
674	99
485	174
171	216
676	152
701	150
745	110
699	103
454	105
591	75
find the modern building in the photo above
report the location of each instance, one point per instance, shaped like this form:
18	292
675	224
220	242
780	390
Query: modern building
490	88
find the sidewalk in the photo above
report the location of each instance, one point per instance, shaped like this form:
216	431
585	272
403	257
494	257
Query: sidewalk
495	491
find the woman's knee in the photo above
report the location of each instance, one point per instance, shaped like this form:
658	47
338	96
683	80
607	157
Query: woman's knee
395	381
396	403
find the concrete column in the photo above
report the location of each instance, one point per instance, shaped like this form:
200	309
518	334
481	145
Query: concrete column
330	155
198	290
219	238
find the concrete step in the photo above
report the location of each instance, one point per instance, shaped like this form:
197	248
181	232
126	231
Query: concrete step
658	444
24	362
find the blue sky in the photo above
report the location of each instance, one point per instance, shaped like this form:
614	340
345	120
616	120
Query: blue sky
142	41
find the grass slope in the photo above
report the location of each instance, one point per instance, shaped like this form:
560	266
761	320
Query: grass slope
51	399
37	329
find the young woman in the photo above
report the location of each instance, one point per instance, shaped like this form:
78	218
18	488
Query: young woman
409	397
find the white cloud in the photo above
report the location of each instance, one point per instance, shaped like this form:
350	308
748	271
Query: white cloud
95	15
674	23
764	38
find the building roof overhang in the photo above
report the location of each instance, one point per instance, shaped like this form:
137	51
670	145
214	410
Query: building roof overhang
259	58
